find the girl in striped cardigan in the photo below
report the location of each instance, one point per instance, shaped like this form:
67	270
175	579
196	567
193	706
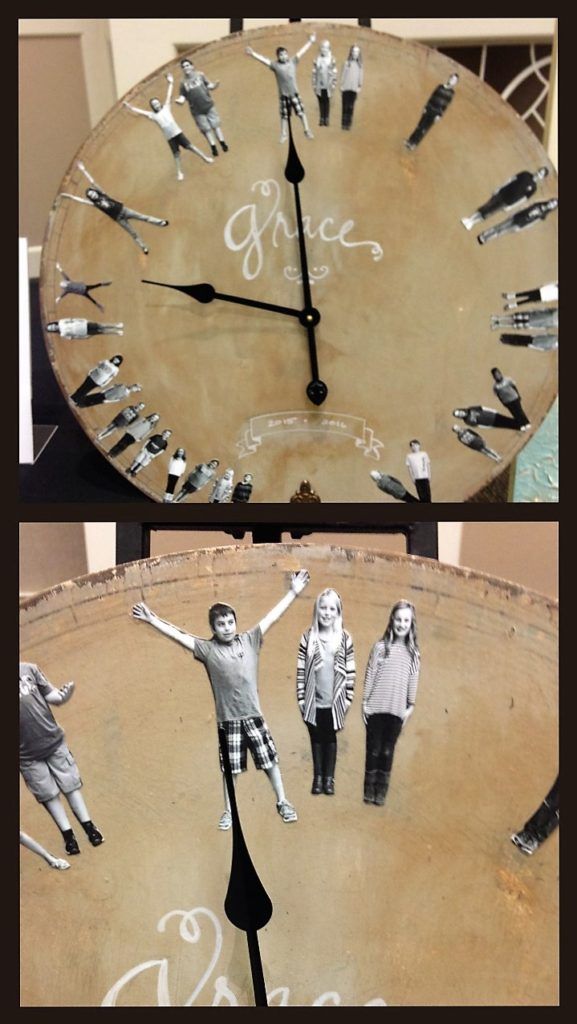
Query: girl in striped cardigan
389	696
325	684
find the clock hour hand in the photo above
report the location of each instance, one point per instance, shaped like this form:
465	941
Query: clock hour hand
206	293
294	173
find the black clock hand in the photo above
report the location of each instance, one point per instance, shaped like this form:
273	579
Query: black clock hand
294	173
206	293
247	904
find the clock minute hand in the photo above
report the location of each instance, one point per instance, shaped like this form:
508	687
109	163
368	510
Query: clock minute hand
206	293
294	173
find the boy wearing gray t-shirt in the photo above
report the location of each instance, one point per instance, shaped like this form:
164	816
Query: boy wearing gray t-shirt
231	662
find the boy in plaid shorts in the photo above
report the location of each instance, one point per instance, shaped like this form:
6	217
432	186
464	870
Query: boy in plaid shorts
46	764
231	662
285	69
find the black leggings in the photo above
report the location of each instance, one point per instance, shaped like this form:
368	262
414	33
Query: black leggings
324	731
382	733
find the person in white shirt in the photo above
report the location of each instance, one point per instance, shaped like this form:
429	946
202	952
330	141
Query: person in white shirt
162	116
419	466
176	467
98	376
78	327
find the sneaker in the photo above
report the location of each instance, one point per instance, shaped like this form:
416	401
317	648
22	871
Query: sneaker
309	134
409	145
146	251
225	821
71	845
526	426
286	811
526	842
95	837
214	150
163	224
224	146
180	177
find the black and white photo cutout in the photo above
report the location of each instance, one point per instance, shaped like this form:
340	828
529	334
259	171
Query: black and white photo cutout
196	89
515	191
176	468
47	766
508	394
527	319
70	287
325	74
542	342
78	327
351	83
222	487
161	115
154	447
471	439
434	110
325	684
284	69
114	208
231	661
419	466
97	377
392	486
389	695
243	489
545	293
116	393
483	416
541	824
198	478
520	221
54	862
122	419
136	431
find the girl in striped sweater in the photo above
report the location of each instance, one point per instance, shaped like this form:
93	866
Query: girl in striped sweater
389	695
325	684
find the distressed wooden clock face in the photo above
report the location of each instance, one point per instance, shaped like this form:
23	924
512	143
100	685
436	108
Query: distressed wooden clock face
376	904
405	293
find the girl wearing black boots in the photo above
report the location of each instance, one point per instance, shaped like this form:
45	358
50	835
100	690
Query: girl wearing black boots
389	695
325	684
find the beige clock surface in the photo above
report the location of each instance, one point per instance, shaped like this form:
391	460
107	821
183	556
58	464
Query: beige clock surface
405	293
424	901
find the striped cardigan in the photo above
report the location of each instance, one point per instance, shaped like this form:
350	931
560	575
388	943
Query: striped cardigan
344	679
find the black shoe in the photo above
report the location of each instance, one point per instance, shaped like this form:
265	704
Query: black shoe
224	146
317	785
329	786
70	844
214	150
95	837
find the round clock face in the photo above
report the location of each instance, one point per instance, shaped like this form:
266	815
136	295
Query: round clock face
402	293
383	904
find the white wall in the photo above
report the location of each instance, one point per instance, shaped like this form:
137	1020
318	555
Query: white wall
139	47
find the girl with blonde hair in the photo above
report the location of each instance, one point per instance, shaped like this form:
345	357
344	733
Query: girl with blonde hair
325	685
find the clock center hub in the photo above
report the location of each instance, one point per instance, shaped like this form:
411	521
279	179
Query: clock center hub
309	317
